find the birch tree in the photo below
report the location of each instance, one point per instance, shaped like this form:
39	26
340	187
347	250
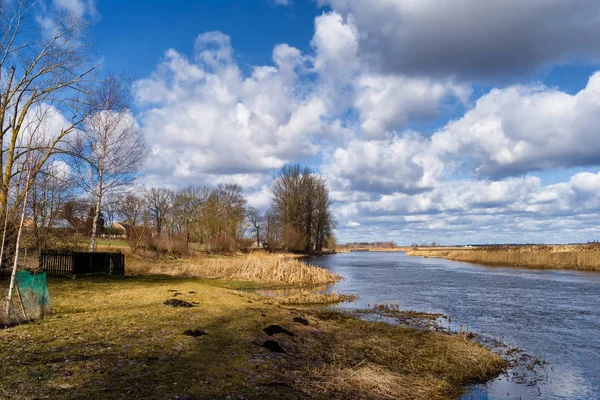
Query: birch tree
110	148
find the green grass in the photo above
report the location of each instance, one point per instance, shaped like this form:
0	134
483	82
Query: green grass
113	338
105	244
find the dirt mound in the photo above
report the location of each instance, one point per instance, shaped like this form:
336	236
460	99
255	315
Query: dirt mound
178	303
301	320
274	329
273	346
195	332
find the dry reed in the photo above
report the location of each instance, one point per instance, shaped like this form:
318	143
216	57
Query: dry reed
270	269
578	257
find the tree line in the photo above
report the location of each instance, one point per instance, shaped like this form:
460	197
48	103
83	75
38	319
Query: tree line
215	218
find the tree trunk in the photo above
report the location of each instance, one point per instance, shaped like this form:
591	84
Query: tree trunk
14	269
96	217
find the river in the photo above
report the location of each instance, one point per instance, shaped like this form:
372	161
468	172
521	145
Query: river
554	315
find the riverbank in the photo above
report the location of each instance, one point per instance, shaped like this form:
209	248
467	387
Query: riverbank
584	257
112	338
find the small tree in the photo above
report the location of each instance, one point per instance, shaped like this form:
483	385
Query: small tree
256	220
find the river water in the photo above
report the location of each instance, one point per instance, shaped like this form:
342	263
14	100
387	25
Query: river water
554	315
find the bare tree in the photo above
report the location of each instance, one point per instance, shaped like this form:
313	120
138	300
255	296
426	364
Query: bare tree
48	195
301	205
187	208
110	148
232	210
159	203
133	208
273	231
256	220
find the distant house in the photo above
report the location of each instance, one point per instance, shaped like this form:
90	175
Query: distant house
116	231
119	227
129	231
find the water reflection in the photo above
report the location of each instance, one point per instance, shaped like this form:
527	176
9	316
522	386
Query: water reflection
552	314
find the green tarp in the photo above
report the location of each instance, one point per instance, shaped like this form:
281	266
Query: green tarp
34	293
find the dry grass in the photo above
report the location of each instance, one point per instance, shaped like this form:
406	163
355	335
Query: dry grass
263	268
114	338
376	360
578	257
309	298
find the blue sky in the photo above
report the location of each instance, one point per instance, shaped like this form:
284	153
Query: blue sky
133	35
470	122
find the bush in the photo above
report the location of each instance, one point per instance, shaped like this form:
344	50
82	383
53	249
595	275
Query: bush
223	244
175	246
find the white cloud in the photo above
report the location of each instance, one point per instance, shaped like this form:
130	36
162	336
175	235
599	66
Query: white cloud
387	102
206	117
511	210
79	8
403	164
526	128
281	2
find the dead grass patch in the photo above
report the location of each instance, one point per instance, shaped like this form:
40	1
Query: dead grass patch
308	298
113	338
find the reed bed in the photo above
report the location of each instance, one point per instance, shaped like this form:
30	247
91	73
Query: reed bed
269	269
579	257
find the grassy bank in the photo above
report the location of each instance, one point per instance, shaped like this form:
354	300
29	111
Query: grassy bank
114	338
577	257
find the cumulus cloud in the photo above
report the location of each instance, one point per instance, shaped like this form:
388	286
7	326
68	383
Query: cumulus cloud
519	129
472	38
388	102
403	164
205	117
510	210
346	105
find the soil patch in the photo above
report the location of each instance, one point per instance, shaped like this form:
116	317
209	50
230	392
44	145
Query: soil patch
178	303
275	329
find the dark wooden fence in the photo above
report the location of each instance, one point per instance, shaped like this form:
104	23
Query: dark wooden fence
70	263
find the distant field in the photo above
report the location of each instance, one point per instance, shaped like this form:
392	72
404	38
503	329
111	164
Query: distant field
585	257
105	244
